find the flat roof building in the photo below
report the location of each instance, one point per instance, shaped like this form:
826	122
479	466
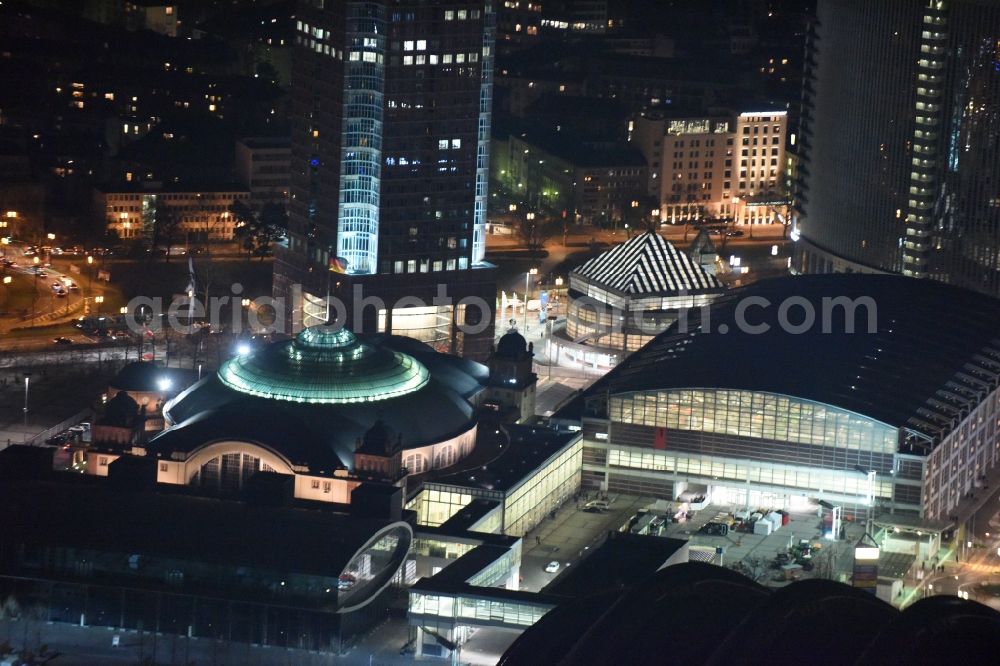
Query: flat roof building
716	165
196	214
262	166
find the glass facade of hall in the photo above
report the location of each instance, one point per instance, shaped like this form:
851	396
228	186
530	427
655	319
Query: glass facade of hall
811	479
607	319
524	505
498	573
754	414
434	507
453	610
536	496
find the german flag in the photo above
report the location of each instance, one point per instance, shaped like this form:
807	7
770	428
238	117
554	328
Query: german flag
338	265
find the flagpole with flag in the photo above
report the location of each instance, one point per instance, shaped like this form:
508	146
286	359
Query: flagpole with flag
192	285
335	265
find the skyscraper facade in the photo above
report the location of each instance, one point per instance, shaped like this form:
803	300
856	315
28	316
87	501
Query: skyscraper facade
900	141
391	104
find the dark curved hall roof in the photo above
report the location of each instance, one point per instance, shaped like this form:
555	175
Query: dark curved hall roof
696	613
934	353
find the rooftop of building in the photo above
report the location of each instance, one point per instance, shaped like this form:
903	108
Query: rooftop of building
87	512
932	355
705	614
648	264
313	398
469	515
147	376
573	148
529	447
171	187
622	560
267	142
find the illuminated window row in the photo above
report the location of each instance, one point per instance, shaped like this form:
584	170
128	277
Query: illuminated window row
850	483
754	414
434	59
484	610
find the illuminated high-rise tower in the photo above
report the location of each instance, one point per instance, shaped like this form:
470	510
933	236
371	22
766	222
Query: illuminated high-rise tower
900	141
391	106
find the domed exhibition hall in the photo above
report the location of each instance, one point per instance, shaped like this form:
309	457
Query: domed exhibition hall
304	407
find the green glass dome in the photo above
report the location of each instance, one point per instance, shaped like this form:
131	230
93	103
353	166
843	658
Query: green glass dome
324	366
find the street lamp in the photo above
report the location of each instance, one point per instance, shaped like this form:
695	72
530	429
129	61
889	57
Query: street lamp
527	277
27	381
98	300
90	286
246	313
34	292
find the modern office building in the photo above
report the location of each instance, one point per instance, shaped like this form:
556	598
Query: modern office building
391	113
899	167
623	298
804	389
721	166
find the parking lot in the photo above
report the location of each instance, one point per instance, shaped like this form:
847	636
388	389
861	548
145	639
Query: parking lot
757	551
568	536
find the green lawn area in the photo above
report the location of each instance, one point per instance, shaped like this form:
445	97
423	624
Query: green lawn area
52	330
159	278
16	296
166	279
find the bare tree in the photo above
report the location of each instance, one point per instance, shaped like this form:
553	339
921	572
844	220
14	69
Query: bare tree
258	230
535	231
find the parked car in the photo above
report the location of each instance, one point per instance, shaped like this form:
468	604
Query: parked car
715	529
596	505
62	341
552	567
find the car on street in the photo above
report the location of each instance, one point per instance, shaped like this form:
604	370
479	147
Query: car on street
735	233
62	341
552	567
596	506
